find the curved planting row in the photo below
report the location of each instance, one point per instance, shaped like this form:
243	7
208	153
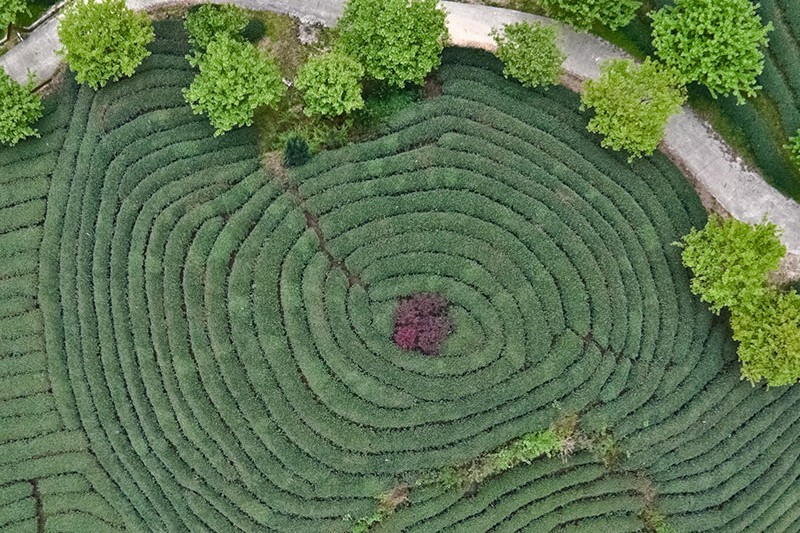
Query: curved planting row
223	343
46	468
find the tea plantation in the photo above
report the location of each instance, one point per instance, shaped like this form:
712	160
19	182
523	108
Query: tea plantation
191	344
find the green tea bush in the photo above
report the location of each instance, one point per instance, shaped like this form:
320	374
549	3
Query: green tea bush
717	43
632	104
330	84
583	14
20	107
235	78
396	41
529	53
103	41
174	317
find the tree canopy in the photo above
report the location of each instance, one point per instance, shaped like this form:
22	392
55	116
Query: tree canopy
717	43
730	261
529	53
330	84
794	149
103	40
397	41
769	338
632	104
208	21
10	10
583	14
235	78
20	107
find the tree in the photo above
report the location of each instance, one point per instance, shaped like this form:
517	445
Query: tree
398	41
10	10
330	84
632	104
20	107
769	338
794	149
103	40
209	21
235	78
583	14
717	43
296	152
529	53
730	261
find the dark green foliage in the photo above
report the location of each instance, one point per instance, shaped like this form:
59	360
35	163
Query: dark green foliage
103	41
296	152
583	14
529	53
20	107
717	43
382	101
632	104
254	31
235	78
189	345
396	41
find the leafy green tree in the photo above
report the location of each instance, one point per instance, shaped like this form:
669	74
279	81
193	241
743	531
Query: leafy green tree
583	14
209	21
330	84
529	53
730	261
717	43
632	104
769	338
103	40
20	107
794	149
235	78
10	10
398	41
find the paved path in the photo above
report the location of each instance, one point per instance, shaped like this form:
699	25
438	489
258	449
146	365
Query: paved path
689	140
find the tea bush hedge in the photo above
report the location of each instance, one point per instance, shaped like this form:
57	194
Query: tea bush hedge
189	345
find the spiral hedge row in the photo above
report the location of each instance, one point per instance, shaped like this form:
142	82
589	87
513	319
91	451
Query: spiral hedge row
202	347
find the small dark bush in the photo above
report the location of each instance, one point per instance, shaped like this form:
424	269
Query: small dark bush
422	322
296	152
254	31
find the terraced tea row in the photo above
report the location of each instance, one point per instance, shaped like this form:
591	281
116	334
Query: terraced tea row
219	351
45	467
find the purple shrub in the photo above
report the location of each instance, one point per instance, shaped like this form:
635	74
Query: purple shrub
422	322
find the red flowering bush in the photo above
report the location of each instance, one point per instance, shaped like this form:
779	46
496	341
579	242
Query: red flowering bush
422	322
